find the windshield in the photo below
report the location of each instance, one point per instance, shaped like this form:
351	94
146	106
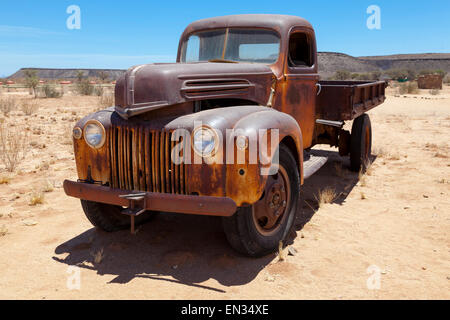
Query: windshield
239	45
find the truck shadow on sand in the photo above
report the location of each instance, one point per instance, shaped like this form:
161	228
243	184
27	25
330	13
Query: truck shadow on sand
188	249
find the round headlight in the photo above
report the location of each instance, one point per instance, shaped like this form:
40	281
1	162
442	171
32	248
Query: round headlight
205	141
94	134
242	142
77	133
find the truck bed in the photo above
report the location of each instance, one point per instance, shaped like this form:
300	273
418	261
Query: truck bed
346	100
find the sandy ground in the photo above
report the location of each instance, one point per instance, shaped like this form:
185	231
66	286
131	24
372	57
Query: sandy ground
393	224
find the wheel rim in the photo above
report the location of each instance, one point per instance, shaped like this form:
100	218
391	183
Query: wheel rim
272	209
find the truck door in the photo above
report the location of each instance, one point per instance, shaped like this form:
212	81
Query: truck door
300	81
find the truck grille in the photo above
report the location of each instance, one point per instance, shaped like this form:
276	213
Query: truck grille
141	160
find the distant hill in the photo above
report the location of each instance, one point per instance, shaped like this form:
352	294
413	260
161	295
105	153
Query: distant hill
329	63
424	61
44	73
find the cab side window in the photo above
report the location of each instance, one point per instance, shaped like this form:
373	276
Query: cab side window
300	50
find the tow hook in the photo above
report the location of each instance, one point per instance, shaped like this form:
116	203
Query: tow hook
136	206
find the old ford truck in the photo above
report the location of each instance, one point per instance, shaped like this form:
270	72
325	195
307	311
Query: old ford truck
254	75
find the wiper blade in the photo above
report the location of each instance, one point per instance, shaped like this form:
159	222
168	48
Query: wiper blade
222	61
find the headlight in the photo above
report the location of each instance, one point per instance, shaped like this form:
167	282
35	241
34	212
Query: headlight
205	141
77	133
94	134
242	142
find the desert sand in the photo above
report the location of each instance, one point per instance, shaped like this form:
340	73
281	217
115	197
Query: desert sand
393	222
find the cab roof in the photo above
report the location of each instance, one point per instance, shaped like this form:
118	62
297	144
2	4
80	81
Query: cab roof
280	23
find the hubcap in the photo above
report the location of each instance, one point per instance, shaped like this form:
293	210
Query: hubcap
273	207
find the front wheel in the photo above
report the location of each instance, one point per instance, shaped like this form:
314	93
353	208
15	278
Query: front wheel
109	217
256	230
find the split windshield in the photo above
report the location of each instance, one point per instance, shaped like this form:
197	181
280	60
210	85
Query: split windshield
232	44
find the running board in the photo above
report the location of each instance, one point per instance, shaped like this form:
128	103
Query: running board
337	124
312	164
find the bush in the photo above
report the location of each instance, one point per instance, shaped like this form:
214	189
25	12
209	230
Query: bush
409	87
51	92
398	74
7	105
98	91
447	80
434	92
106	101
29	107
439	72
32	80
342	75
13	146
83	87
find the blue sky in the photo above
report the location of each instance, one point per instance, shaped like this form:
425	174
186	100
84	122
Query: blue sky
118	34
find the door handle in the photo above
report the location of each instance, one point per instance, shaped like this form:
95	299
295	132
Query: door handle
320	88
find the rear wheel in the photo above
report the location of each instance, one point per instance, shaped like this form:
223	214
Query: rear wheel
109	217
361	143
256	230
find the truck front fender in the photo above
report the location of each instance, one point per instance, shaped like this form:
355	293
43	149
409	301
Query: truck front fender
248	187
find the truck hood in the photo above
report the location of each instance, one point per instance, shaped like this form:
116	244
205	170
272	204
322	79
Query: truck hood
148	87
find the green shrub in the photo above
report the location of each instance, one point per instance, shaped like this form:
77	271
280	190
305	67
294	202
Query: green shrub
83	87
440	72
31	80
342	75
397	74
51	92
409	87
98	91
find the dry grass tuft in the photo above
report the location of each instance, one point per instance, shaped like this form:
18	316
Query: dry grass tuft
362	179
13	146
29	107
7	105
98	256
340	171
369	167
282	252
363	196
67	138
408	88
380	152
393	156
431	146
36	198
48	187
5	179
326	196
43	166
3	231
106	101
440	155
434	92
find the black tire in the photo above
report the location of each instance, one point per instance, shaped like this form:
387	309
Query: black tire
361	143
108	217
241	230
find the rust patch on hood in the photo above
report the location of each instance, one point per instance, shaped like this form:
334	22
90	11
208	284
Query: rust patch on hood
153	86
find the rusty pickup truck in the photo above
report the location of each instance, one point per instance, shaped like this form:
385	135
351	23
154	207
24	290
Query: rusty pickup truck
225	131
